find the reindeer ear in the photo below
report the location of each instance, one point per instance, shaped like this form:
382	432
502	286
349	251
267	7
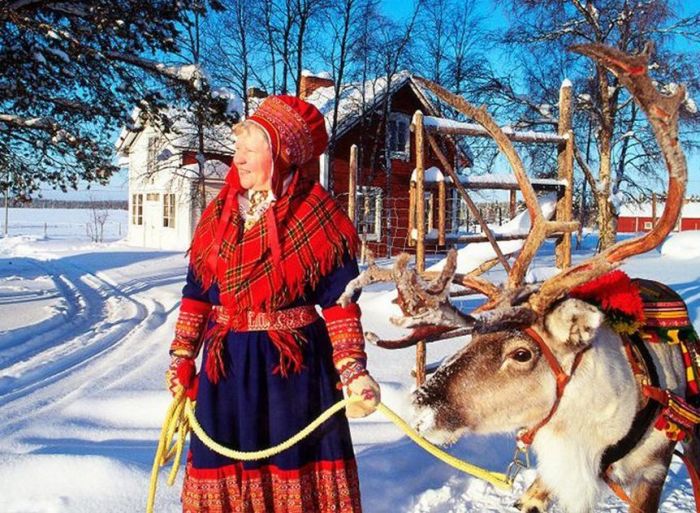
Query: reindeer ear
574	322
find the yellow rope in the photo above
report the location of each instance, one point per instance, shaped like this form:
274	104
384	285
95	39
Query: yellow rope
180	418
266	453
495	478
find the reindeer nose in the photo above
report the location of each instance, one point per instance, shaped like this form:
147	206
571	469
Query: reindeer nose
422	418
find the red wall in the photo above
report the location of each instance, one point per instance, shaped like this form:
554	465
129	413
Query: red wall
636	224
404	101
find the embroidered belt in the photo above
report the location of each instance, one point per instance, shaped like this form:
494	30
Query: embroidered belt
287	319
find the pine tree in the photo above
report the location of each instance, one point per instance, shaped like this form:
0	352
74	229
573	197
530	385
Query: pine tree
72	75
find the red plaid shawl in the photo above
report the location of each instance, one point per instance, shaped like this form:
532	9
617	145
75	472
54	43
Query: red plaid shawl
266	268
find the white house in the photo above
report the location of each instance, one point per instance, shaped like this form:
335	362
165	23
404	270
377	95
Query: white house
165	179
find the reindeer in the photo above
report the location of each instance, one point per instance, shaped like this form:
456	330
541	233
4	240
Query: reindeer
549	363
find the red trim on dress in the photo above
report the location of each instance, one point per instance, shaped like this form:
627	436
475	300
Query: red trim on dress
319	487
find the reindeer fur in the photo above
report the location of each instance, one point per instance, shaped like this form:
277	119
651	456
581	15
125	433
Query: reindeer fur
485	388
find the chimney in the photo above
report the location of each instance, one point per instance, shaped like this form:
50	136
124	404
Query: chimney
256	92
309	83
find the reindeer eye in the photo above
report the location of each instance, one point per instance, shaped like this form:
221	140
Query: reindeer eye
521	355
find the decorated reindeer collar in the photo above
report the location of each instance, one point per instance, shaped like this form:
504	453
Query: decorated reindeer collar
618	297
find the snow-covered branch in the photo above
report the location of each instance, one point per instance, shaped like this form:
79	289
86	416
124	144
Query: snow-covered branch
190	74
32	123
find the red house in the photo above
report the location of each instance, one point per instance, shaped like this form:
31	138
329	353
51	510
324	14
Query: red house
640	217
386	155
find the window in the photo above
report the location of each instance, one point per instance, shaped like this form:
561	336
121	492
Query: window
461	214
428	197
137	209
399	135
369	207
169	210
152	155
647	225
152	196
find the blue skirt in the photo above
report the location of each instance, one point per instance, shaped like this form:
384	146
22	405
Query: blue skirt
252	408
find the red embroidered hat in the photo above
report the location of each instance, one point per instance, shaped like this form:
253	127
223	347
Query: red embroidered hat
296	128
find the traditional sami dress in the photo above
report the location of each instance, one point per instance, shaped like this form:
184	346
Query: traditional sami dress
255	402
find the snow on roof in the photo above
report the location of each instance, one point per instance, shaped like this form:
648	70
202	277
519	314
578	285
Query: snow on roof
473	255
431	175
323	74
689	209
183	133
353	96
212	169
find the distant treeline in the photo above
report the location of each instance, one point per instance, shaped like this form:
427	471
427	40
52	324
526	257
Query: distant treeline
56	203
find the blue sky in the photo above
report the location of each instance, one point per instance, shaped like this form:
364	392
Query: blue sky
495	18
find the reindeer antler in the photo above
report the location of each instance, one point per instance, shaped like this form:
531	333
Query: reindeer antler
424	301
541	228
662	113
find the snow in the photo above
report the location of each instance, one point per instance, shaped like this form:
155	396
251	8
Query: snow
473	255
234	103
431	175
212	169
58	53
566	83
682	245
350	101
84	331
508	179
434	123
39	57
323	74
429	235
691	209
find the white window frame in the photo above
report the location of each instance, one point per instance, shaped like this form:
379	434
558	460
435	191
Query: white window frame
395	120
137	209
429	199
648	225
366	196
460	213
168	210
151	156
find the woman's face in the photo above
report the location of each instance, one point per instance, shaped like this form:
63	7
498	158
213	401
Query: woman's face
253	159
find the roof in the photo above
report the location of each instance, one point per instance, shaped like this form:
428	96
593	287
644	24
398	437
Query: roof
373	92
183	132
690	209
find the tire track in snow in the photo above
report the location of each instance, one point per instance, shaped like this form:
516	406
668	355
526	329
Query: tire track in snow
23	343
108	320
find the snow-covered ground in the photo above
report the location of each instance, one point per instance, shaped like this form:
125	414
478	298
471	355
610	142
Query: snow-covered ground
84	331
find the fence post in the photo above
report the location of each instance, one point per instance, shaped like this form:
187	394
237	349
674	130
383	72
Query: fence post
352	184
565	164
420	229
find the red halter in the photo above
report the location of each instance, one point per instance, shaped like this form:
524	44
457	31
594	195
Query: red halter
562	380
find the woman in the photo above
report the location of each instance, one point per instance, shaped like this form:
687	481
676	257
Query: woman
270	247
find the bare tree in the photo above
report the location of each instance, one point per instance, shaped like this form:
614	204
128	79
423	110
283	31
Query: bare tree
95	227
539	36
232	49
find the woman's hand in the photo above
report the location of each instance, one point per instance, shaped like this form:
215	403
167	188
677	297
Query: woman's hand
357	382
181	374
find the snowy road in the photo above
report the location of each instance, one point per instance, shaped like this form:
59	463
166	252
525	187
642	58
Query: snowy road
83	336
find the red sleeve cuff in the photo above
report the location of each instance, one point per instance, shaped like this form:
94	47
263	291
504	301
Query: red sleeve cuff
194	306
338	313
